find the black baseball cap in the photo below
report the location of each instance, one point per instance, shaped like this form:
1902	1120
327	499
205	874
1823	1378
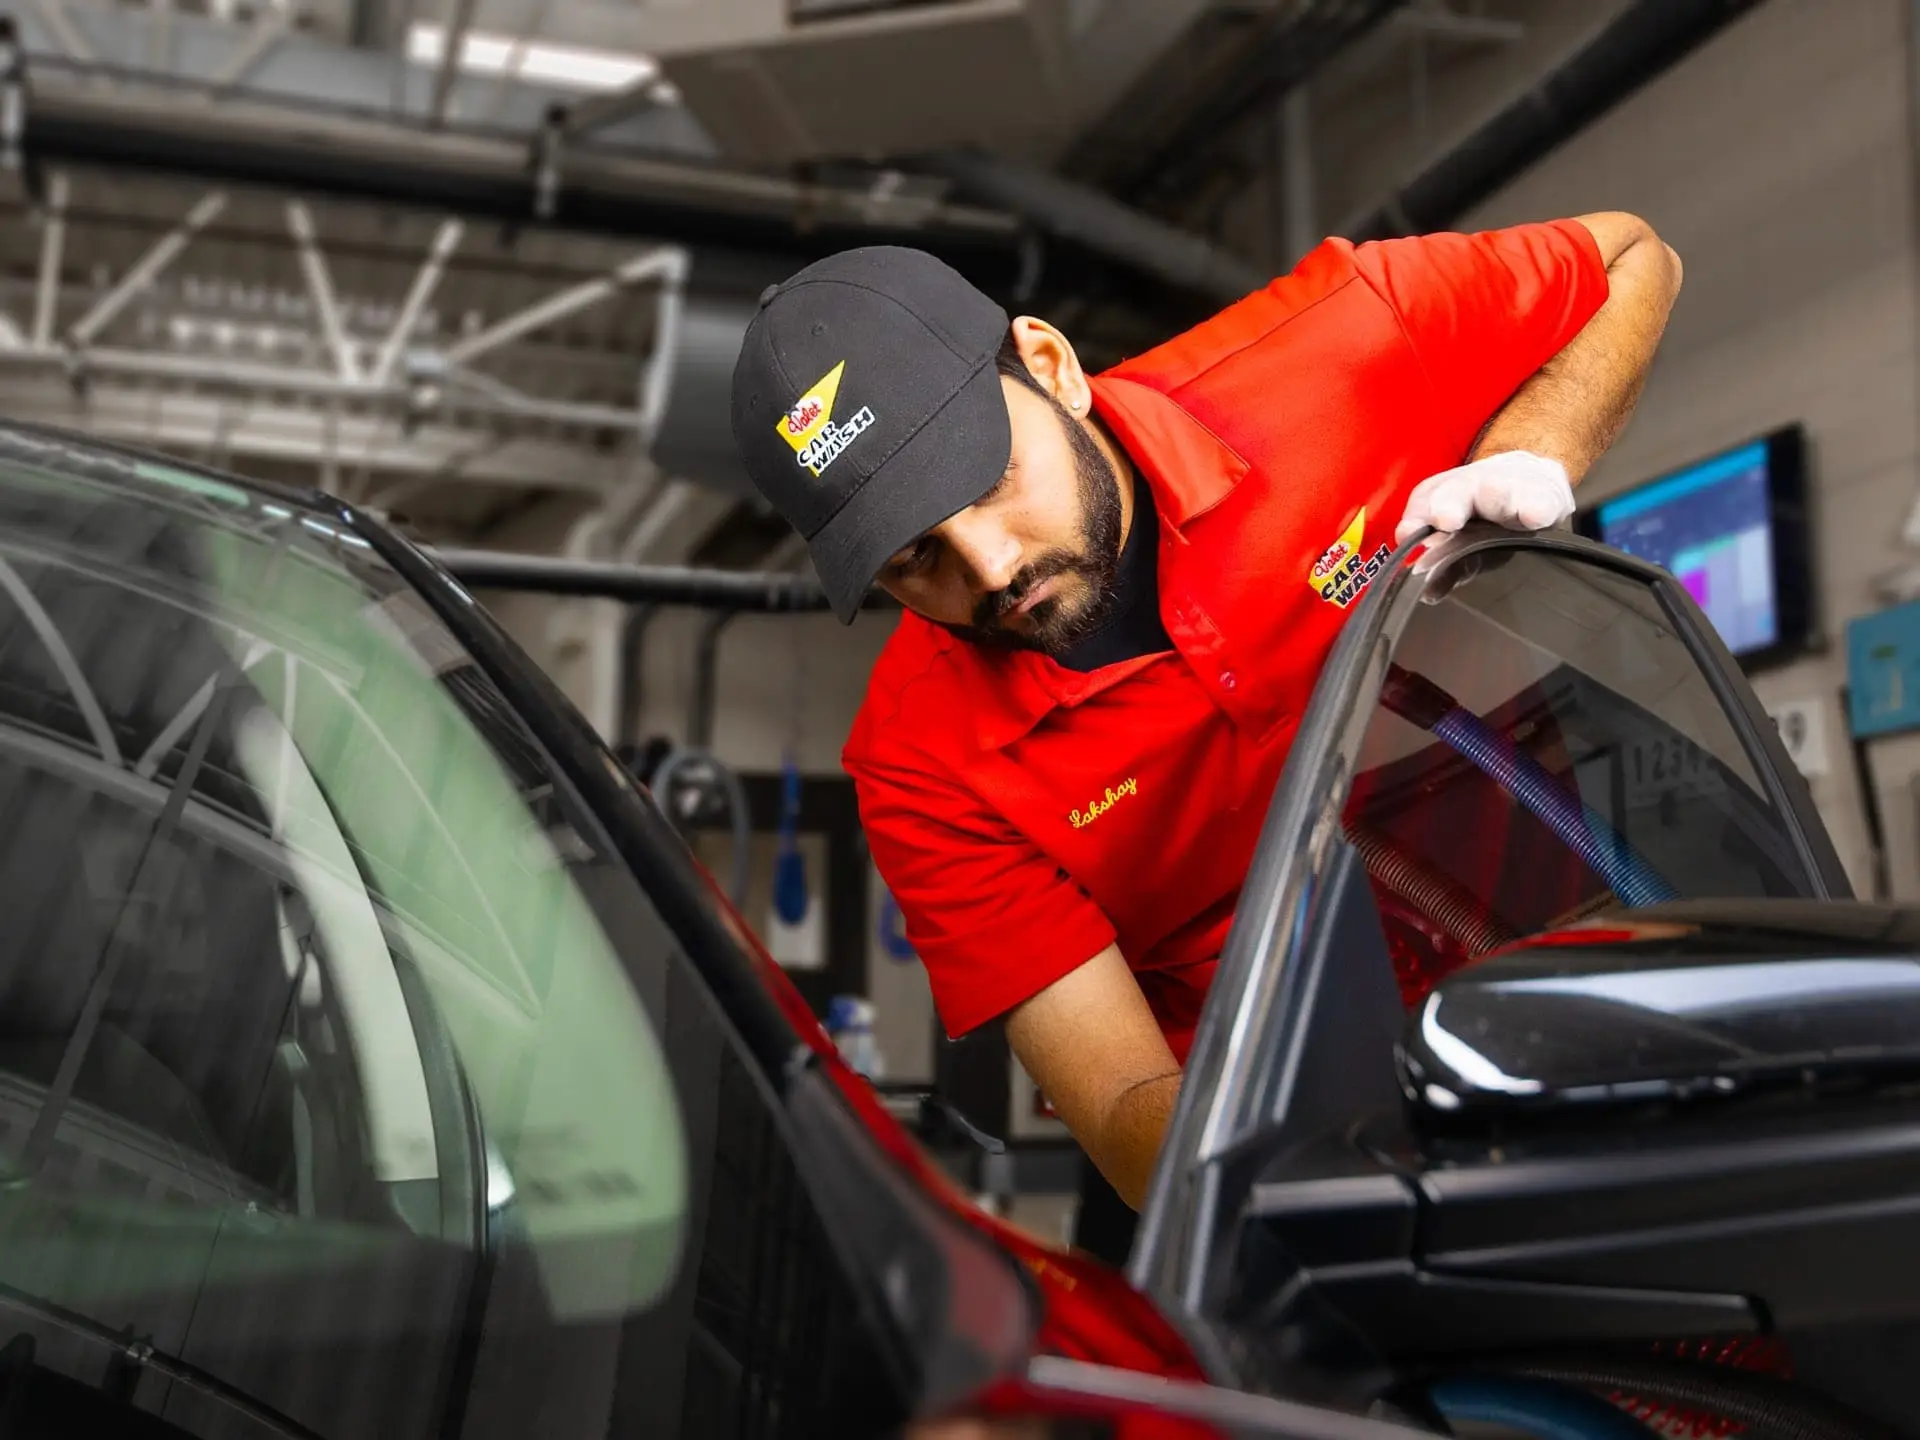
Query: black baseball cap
867	407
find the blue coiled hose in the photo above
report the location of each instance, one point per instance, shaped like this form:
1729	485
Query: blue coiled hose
1576	824
1541	1408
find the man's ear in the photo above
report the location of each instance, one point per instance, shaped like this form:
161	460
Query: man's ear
1051	360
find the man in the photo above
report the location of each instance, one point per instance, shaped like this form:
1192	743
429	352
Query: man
1120	588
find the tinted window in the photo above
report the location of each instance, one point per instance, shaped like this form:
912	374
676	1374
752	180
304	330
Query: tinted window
347	1084
1545	747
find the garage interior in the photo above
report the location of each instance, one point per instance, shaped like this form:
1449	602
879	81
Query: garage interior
481	267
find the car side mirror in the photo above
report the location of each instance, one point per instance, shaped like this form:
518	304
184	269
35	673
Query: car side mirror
1682	1002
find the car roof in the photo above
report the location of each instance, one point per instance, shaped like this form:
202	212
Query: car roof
136	468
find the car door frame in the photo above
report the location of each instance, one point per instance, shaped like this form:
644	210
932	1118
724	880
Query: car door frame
1229	1081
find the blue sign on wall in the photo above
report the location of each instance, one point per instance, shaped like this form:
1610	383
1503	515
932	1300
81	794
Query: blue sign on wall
1883	671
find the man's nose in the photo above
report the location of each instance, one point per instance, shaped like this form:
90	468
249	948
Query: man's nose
990	555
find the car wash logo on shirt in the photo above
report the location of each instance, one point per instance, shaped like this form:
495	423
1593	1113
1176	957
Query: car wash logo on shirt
1100	804
1344	569
809	427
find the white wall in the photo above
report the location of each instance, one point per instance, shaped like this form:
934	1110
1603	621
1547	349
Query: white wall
1777	160
783	679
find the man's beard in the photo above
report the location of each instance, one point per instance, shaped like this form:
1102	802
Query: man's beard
1057	624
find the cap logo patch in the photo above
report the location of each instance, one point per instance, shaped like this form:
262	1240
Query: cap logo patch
1344	569
810	429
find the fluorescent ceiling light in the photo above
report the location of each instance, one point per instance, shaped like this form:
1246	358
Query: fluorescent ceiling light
571	67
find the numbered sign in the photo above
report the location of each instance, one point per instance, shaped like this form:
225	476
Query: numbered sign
1669	765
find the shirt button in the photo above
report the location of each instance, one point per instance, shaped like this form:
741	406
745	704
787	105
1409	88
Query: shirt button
1228	679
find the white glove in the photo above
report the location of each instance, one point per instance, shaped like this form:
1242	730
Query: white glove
1515	488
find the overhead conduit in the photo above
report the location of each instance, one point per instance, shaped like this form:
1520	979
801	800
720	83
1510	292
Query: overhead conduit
727	590
1646	39
547	176
1099	223
695	203
491	175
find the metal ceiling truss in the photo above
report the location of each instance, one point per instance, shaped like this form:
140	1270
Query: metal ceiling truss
388	404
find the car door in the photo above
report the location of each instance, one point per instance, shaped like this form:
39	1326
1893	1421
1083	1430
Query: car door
353	1079
1529	731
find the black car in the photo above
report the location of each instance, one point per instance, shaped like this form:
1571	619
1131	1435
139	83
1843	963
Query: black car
374	1059
1549	1043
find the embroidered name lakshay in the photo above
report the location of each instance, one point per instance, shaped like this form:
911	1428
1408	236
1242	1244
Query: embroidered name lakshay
1099	805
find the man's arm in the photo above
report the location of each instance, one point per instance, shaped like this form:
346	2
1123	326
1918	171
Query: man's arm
1575	406
993	919
1522	466
1094	1049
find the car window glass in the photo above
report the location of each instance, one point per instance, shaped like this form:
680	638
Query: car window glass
1546	746
348	1084
551	1038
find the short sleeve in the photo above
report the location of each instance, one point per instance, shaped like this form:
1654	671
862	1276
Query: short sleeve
1484	312
992	918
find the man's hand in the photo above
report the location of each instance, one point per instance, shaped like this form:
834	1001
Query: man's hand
1568	413
1517	489
1094	1049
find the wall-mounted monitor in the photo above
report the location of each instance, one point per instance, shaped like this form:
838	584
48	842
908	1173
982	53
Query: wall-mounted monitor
1732	528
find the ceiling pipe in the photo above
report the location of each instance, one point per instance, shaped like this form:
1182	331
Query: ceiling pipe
1643	41
453	44
1095	221
704	703
633	659
708	589
710	207
492	176
1169	132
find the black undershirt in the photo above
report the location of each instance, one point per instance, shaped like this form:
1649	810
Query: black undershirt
1133	626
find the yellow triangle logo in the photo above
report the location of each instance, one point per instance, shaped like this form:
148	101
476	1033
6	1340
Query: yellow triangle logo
1337	554
802	425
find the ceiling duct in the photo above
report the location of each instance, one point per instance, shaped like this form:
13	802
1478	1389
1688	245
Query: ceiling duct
781	82
1644	41
1097	222
831	79
1172	130
724	590
695	438
476	175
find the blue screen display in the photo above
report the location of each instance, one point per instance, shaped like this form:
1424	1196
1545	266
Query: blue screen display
1711	526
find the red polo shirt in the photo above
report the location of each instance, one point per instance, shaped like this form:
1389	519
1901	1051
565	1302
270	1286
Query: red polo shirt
1026	816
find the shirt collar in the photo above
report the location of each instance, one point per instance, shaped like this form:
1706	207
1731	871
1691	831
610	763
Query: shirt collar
1190	468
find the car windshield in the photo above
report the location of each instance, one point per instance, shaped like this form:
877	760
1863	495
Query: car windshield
318	990
1546	746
